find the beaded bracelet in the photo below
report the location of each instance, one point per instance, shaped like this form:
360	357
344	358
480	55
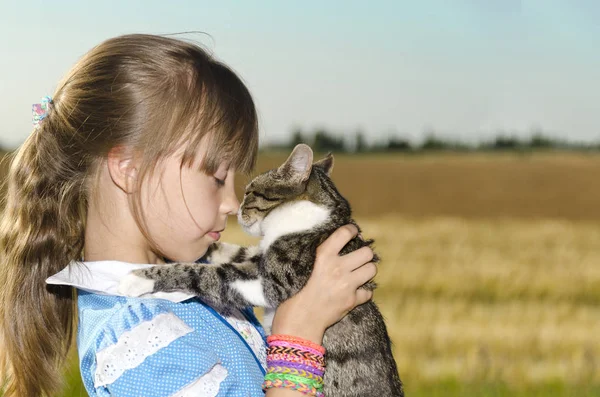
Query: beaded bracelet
295	363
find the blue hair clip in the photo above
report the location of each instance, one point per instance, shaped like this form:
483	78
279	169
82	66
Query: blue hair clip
40	110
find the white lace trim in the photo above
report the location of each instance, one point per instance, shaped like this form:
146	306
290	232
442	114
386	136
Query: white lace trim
207	385
135	345
249	333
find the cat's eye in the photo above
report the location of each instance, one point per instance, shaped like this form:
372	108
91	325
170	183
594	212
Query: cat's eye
265	197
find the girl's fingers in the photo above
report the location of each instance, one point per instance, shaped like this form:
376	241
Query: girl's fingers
338	239
356	259
363	296
363	274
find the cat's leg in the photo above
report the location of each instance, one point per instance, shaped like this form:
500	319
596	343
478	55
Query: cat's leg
219	253
226	285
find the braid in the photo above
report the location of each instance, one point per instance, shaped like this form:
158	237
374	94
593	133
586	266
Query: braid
41	231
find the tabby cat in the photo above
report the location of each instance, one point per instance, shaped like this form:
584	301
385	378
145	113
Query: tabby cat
294	208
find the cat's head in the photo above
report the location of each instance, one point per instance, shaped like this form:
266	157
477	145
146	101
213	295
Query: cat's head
297	179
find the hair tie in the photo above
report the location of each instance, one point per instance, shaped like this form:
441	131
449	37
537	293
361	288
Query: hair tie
40	110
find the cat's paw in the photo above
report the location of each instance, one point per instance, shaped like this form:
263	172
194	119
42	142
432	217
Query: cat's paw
220	253
134	285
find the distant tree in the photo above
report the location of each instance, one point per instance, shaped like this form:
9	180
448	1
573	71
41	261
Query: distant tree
539	141
398	144
433	143
360	143
297	138
325	142
503	142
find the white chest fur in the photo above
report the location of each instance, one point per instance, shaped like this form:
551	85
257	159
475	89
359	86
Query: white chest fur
291	218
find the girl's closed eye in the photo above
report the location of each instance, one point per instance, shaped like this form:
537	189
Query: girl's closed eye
220	176
220	182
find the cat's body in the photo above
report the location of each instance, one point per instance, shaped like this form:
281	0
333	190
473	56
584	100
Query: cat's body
359	357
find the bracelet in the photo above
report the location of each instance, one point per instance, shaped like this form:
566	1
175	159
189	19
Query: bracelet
296	372
296	352
295	359
294	379
296	340
280	343
295	363
305	389
303	367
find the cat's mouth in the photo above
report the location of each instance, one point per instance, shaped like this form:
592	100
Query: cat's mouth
250	224
252	228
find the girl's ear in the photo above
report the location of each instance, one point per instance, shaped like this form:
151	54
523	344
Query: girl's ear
298	166
326	164
123	168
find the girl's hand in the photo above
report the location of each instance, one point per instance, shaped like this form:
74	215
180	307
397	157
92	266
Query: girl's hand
331	291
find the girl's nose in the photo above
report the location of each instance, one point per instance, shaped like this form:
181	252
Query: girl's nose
231	204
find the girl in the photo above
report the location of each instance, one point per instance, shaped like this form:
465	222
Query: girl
132	164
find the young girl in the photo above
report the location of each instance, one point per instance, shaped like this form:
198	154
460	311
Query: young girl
132	164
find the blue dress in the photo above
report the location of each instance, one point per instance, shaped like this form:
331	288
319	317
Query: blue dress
146	347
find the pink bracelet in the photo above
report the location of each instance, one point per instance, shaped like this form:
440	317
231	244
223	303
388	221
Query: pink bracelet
298	340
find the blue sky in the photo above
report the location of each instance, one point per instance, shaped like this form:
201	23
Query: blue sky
464	68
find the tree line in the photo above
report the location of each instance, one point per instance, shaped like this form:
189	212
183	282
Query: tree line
324	141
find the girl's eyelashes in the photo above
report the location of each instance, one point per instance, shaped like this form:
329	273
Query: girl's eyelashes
221	176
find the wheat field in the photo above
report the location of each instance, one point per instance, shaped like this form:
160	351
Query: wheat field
490	272
476	302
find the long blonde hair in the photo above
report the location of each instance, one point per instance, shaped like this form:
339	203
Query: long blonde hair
149	93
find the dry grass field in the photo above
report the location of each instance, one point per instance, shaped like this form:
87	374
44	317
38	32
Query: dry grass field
479	302
490	278
519	185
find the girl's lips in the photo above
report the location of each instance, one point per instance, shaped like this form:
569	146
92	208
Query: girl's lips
215	235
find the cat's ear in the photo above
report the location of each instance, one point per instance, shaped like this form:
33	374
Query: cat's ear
326	164
299	164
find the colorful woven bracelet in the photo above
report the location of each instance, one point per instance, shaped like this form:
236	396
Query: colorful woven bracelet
281	343
308	368
296	340
296	352
295	379
295	359
295	363
286	384
274	369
